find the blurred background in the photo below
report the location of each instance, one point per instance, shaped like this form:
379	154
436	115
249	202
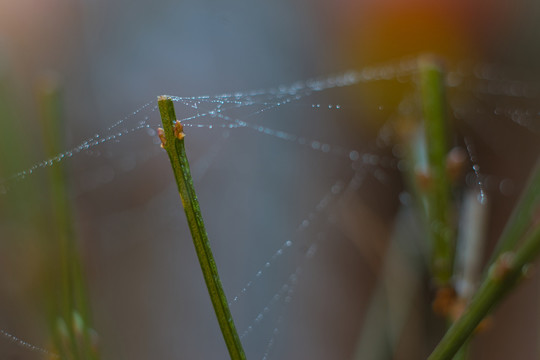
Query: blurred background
106	59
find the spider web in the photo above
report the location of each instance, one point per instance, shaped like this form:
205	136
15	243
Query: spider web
279	172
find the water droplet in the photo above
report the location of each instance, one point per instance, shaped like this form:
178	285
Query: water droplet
506	187
288	243
453	79
354	155
380	175
405	198
312	250
403	165
525	269
398	151
482	198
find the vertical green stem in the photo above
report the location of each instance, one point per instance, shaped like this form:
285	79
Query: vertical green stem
522	216
173	142
18	207
438	193
504	272
502	277
71	304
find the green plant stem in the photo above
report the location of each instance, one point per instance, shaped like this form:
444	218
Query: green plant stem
463	352
174	145
71	303
495	287
19	206
521	217
438	191
501	278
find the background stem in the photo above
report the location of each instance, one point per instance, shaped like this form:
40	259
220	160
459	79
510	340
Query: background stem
69	303
501	278
438	191
521	217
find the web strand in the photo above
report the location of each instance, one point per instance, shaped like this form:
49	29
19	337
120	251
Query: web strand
26	345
